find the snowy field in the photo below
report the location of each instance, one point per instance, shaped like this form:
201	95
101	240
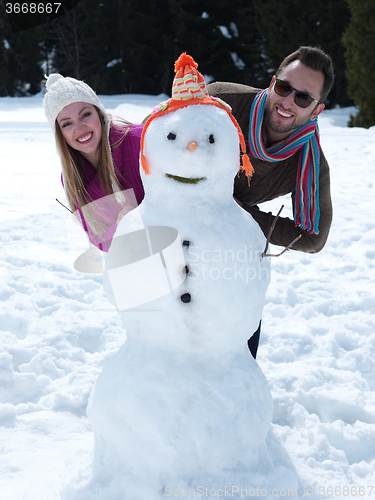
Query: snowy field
57	329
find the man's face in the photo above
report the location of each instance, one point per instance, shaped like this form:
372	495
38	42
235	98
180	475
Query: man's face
282	115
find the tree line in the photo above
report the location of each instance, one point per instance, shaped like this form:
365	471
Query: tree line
129	46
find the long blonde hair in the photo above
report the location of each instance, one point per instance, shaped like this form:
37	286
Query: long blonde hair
72	163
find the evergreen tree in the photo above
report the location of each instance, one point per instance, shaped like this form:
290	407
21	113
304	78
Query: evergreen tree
220	36
106	46
20	58
287	25
128	46
66	43
359	41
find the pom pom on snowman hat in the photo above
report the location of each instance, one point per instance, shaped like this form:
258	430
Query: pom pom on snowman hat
189	88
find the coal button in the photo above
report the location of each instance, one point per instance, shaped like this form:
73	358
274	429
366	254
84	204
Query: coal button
186	298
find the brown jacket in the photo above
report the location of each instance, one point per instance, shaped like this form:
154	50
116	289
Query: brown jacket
273	179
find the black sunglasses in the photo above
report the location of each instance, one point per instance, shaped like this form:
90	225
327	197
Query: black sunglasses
302	99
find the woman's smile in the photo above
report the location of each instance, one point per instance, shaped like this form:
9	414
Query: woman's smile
85	138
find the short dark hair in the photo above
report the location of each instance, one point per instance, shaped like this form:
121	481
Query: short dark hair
316	59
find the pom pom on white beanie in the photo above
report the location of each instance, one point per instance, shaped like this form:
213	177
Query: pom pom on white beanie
62	91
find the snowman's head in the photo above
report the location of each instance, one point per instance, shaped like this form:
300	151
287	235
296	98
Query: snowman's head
192	139
197	146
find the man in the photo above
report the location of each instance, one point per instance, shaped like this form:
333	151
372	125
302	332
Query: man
280	127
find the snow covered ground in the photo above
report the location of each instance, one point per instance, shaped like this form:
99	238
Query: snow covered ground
57	329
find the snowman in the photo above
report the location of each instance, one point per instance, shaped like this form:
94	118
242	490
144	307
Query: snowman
183	403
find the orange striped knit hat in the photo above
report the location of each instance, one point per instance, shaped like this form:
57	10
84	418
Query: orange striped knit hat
189	87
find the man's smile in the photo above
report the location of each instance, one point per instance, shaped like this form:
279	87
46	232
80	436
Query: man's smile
283	113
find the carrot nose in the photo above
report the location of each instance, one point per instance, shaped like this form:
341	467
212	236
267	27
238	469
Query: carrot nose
192	146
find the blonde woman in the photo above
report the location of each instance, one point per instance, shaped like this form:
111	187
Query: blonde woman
99	158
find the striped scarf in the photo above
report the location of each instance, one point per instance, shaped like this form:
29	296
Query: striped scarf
305	138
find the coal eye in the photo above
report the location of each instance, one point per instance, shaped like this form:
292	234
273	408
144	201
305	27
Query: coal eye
211	139
171	136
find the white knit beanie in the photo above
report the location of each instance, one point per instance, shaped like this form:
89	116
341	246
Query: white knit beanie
62	91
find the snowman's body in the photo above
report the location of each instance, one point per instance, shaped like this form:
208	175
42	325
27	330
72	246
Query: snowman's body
183	400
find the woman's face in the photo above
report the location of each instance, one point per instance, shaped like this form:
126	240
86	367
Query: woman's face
80	125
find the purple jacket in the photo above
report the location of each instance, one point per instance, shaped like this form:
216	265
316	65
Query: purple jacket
126	162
